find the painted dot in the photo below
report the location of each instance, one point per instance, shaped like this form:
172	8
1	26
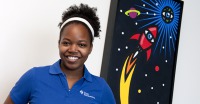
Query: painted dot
157	4
158	103
163	84
163	47
152	88
145	75
119	49
154	14
157	68
166	61
136	23
121	11
116	69
139	91
126	47
144	5
147	12
122	33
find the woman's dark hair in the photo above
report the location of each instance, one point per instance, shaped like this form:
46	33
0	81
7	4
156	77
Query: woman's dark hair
83	11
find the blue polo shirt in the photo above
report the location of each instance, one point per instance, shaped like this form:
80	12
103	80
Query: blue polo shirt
48	85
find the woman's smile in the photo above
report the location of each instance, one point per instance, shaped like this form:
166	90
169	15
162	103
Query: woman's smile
72	58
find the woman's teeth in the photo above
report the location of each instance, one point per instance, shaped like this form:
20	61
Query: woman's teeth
72	58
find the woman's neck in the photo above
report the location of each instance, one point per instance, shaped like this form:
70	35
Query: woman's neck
72	76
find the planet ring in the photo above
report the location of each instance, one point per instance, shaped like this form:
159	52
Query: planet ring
129	11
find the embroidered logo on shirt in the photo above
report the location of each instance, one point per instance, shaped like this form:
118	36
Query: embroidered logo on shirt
86	94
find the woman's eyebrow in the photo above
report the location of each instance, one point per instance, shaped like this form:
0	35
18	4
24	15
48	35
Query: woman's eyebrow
65	39
83	41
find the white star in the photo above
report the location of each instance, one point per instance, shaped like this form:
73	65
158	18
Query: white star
122	33
118	49
147	12
152	88
126	47
116	69
144	5
156	4
166	61
154	14
163	47
121	11
145	75
136	23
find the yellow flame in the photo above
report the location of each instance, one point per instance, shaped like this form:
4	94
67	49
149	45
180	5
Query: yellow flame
125	84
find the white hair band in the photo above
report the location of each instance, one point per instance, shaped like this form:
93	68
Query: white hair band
81	20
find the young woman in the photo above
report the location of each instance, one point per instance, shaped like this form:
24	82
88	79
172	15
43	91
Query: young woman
67	81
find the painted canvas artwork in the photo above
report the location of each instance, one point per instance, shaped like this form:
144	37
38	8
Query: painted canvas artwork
141	48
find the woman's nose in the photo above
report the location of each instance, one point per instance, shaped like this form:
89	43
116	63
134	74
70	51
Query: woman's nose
73	48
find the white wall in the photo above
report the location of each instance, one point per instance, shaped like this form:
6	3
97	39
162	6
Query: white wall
29	35
187	80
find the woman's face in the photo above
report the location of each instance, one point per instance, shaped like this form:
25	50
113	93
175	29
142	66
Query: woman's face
74	46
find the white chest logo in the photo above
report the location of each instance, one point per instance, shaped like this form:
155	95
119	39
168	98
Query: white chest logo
86	94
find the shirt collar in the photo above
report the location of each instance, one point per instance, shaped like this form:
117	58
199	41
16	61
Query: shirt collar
87	74
55	69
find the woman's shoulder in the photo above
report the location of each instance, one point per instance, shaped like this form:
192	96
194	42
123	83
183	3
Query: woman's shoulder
38	70
98	79
41	68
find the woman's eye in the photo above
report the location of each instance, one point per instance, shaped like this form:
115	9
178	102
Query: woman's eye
66	43
82	45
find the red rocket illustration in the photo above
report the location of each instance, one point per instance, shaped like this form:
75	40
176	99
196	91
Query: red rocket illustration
146	40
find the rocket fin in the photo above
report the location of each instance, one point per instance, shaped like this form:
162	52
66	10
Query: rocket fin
148	54
135	36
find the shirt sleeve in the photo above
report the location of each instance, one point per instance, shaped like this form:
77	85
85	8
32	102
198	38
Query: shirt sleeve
107	95
20	93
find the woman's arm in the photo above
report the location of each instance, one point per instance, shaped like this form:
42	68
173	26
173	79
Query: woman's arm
8	100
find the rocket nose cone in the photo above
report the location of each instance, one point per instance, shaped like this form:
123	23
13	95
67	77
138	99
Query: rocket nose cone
153	31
